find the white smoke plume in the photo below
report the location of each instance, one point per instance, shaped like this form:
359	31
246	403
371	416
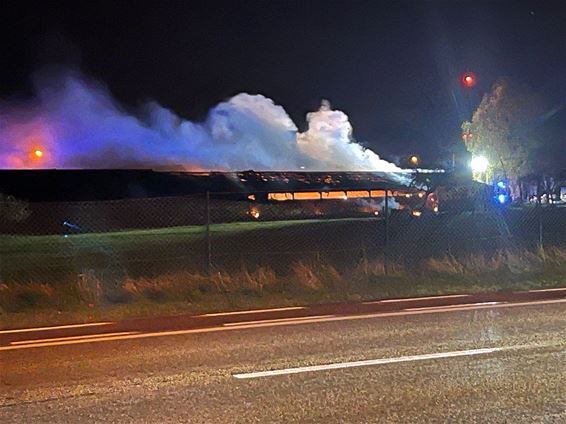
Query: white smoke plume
75	123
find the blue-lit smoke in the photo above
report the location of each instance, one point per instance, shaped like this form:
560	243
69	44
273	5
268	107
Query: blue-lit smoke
76	123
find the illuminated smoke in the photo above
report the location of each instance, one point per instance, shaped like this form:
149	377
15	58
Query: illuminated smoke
328	144
76	123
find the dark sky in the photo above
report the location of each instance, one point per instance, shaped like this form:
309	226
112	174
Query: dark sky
392	66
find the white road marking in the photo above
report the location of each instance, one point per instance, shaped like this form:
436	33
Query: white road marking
307	318
252	311
463	305
369	362
58	339
412	299
432	310
58	327
548	290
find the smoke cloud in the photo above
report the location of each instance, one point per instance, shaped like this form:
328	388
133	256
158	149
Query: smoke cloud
73	122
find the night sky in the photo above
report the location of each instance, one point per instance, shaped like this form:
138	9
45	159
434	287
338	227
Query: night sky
394	67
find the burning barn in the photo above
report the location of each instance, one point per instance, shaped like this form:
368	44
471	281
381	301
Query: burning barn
147	198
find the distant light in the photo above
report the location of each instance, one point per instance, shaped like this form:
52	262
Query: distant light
502	198
421	194
416	213
435	209
501	184
469	79
376	213
414	160
38	153
479	164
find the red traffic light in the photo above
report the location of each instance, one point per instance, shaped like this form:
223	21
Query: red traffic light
469	79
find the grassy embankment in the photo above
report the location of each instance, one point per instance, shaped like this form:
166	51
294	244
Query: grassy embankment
28	299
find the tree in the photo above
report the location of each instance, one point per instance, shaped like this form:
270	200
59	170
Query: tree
501	130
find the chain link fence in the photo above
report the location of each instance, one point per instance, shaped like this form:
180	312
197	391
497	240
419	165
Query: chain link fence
203	233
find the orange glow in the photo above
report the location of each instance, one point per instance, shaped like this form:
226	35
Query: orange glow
343	195
414	160
377	193
358	193
279	196
254	212
310	195
35	146
334	195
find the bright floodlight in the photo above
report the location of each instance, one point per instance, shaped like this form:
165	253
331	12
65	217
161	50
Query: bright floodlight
479	164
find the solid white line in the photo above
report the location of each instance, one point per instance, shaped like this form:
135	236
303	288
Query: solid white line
342	365
58	327
432	310
461	306
251	311
413	299
266	321
59	339
548	290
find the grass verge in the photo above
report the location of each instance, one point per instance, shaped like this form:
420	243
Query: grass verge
89	299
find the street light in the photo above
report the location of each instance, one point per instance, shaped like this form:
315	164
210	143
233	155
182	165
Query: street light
414	160
479	164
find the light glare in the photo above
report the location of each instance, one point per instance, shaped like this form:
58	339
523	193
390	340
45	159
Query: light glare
479	164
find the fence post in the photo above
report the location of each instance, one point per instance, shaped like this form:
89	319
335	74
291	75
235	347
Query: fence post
208	238
386	246
540	228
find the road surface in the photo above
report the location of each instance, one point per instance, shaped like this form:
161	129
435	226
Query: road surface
478	358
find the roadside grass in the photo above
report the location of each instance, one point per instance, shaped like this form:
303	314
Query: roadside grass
304	283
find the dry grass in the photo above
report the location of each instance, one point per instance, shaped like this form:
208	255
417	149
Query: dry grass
315	277
505	269
183	286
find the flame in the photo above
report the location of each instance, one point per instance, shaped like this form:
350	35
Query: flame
254	212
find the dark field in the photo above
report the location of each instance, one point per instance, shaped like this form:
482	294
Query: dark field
342	242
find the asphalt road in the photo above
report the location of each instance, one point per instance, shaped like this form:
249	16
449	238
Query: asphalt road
482	358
